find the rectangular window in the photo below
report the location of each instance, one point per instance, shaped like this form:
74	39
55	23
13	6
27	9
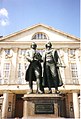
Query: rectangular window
22	52
19	70
74	72
72	51
6	72
7	52
20	73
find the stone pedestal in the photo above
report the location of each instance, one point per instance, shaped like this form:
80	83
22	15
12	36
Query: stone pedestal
41	105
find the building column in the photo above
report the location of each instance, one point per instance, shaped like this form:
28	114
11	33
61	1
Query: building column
76	105
13	75
5	105
25	112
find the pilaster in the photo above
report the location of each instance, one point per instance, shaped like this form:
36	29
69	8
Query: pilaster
5	105
76	105
14	66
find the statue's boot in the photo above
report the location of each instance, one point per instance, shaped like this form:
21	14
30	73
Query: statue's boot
50	91
57	91
39	92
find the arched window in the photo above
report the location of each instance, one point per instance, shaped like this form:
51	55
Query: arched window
40	35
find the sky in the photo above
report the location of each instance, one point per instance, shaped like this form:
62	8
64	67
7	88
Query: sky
63	15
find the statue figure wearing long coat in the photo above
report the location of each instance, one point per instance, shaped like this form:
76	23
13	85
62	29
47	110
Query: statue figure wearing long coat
51	73
34	71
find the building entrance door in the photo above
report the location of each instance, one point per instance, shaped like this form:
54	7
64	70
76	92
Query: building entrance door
19	106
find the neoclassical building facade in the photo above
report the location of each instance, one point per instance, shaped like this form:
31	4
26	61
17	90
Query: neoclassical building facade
13	65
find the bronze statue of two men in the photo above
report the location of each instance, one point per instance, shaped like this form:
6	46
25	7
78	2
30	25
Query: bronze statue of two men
51	74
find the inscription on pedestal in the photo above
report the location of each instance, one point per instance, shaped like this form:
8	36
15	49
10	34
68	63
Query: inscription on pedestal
44	108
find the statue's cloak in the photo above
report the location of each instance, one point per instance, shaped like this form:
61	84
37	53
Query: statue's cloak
58	74
30	75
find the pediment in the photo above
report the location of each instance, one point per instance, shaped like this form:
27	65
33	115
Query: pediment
27	34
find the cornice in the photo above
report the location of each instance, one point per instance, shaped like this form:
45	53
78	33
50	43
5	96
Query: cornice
40	42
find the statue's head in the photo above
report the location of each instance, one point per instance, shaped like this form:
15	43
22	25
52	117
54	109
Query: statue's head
33	45
48	45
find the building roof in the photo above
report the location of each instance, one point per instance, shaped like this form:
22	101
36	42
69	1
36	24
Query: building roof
37	25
